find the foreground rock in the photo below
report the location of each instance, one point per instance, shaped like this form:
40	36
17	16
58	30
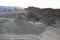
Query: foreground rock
51	33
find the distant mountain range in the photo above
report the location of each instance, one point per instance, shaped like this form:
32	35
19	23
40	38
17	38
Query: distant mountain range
8	7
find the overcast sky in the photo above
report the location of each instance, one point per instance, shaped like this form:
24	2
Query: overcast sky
36	3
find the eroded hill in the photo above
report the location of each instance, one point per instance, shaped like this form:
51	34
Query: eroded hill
48	16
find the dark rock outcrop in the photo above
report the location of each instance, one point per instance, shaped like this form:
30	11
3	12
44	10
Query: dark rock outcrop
48	16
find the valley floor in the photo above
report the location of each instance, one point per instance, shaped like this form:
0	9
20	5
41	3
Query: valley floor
13	29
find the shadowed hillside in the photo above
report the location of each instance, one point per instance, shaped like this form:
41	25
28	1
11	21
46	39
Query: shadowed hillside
48	16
